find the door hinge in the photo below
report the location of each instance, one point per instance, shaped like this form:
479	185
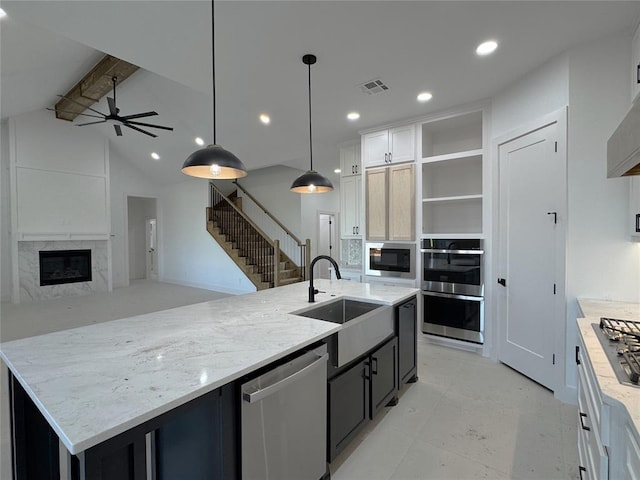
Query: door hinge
556	147
554	358
554	288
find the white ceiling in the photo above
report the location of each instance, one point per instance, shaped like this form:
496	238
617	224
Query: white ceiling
46	46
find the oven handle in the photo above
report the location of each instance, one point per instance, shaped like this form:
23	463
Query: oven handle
453	296
457	252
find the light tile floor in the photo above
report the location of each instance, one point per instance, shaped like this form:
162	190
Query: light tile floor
466	418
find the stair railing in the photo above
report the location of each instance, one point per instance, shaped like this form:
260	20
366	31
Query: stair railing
297	250
247	237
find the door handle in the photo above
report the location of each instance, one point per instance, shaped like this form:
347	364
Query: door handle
502	281
584	427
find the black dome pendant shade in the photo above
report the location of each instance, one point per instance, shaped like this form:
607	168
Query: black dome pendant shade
311	181
214	161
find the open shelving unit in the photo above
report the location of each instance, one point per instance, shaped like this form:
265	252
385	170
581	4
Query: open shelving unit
452	166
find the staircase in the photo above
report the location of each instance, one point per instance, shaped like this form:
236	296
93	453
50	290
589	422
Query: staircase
258	256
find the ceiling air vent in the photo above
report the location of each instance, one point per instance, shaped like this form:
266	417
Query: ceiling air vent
373	87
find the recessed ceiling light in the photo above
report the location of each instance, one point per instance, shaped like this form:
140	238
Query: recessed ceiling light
487	47
199	141
264	118
155	156
353	116
337	170
424	97
2	13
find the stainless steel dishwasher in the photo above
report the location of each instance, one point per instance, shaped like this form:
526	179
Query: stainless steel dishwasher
284	420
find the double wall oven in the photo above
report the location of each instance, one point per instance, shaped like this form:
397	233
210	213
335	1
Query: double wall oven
453	288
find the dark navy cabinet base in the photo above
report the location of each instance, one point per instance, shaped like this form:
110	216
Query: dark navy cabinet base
197	440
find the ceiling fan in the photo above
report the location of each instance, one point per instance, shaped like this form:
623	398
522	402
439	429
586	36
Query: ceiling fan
114	116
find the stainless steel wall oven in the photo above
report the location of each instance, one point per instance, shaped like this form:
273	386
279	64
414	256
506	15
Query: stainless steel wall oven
453	288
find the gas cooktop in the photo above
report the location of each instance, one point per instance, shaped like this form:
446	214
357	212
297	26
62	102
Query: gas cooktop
620	340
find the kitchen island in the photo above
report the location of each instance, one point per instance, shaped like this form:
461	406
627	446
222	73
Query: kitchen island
103	383
609	423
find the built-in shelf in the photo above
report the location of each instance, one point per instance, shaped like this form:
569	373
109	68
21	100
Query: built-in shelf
452	175
453	199
452	156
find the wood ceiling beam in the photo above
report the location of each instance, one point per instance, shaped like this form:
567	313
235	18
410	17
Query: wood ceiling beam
93	86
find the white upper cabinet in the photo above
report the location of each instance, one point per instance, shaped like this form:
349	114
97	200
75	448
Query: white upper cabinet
389	146
635	66
350	159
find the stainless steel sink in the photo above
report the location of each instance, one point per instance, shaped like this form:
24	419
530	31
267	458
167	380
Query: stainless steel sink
364	325
340	311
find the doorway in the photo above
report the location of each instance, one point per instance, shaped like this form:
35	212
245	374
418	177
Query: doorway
532	167
142	231
327	241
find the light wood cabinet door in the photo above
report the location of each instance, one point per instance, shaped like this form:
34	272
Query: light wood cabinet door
401	202
376	186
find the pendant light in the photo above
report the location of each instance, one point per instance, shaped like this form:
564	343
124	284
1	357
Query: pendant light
214	161
311	181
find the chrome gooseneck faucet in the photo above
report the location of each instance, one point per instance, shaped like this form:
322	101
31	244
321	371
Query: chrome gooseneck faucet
313	291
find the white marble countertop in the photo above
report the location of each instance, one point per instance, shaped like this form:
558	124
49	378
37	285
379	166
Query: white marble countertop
92	383
613	391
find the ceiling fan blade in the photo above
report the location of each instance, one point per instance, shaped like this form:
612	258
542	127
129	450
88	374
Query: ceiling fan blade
139	115
118	130
90	123
112	106
140	130
74	113
83	106
149	125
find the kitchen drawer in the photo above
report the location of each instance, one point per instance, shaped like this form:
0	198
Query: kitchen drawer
588	382
594	458
631	461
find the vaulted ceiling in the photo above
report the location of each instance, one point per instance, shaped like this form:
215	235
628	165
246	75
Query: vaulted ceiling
47	46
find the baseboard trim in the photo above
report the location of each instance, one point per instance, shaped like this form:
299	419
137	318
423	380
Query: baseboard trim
567	394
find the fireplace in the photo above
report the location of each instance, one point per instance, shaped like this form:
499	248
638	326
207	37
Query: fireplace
64	266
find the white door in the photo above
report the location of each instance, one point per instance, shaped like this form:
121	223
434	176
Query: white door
532	193
152	255
326	244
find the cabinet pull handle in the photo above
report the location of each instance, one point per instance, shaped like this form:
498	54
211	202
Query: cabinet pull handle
386	158
581	469
356	168
638	74
353	169
584	427
390	157
366	373
353	230
374	365
357	230
638	222
578	355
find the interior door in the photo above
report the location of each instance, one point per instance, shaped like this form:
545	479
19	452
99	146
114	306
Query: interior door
532	192
152	246
326	242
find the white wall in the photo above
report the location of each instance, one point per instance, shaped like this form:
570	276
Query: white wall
191	256
540	92
593	80
125	180
270	186
5	216
602	262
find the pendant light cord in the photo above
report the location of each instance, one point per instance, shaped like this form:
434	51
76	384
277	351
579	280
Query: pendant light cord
310	147
213	69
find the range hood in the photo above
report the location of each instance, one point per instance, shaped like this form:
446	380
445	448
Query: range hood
623	148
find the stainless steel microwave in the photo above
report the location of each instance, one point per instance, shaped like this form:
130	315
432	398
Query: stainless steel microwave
390	260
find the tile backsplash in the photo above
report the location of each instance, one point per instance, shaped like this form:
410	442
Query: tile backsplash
351	252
